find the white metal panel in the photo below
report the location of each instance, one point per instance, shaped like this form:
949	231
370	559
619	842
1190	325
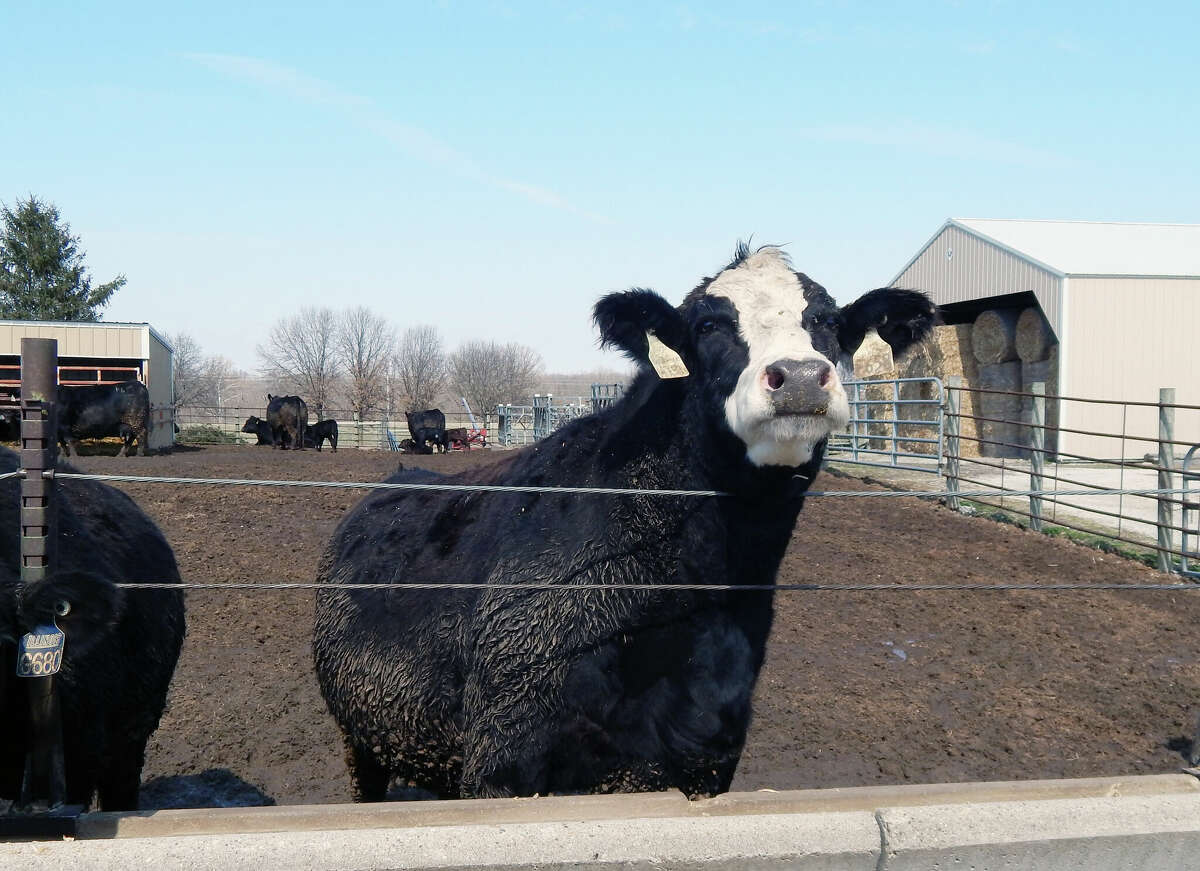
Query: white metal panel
1127	338
958	266
1098	248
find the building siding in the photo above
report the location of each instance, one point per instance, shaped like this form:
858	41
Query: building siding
977	270
160	384
1126	338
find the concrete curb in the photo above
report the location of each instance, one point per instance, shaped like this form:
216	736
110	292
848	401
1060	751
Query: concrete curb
1100	823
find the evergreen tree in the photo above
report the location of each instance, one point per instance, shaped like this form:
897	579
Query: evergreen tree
42	273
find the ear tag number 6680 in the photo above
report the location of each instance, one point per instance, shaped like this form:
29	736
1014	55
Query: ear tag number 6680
40	652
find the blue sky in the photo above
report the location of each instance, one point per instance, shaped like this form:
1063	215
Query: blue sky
493	168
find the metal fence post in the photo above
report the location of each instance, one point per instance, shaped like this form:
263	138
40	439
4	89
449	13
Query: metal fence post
1166	434
1037	448
44	784
953	403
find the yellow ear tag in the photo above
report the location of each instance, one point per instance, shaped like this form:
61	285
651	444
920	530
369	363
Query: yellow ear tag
666	362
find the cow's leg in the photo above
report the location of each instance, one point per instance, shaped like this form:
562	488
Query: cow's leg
142	438
118	787
369	778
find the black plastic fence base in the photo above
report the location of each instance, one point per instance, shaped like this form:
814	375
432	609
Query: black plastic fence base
48	826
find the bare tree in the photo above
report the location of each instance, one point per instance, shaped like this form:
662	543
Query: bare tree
301	351
188	362
365	343
420	367
220	380
488	373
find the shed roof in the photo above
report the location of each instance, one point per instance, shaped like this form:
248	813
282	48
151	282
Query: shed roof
1096	248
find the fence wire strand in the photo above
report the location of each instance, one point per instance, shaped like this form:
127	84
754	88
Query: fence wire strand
711	588
602	491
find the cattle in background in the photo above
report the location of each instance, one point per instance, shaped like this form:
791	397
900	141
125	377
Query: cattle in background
320	431
121	646
10	425
256	426
428	426
103	410
509	691
288	418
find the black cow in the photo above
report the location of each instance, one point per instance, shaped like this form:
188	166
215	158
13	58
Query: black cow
121	646
288	418
428	427
320	431
505	691
103	410
258	427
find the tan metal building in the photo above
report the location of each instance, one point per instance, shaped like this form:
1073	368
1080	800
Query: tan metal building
99	353
1122	299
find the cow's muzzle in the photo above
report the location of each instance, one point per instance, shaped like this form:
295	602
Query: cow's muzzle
800	386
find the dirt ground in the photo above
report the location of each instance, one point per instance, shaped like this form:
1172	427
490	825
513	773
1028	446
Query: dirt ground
858	688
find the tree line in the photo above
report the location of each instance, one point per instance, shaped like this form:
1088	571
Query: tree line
355	359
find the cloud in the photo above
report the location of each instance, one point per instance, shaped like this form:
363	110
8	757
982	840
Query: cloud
415	141
938	141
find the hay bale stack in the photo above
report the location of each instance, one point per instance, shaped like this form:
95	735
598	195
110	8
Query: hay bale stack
1002	433
946	352
1045	371
1034	338
994	336
873	359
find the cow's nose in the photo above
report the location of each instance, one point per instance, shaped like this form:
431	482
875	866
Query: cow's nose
799	386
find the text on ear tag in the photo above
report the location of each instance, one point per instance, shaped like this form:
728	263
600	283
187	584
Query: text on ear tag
666	362
39	654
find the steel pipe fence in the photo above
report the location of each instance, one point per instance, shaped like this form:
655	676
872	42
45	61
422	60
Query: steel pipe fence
897	423
1033	460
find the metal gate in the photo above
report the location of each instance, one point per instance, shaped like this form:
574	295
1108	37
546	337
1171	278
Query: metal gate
1189	558
898	423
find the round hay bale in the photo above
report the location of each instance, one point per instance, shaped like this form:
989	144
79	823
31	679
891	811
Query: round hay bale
993	338
1002	431
1034	336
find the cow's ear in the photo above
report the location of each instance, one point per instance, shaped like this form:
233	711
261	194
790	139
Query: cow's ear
628	319
85	606
900	317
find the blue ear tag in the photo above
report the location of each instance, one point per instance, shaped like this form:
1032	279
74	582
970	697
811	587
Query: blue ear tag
40	652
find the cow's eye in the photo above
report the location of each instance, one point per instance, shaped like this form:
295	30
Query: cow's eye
62	607
706	326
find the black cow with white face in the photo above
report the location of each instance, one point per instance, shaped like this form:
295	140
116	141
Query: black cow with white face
508	691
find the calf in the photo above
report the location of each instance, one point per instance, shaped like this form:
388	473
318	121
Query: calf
256	426
319	432
104	410
121	647
504	691
428	427
288	418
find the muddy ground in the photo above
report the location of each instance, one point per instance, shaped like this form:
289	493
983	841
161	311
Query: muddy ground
858	688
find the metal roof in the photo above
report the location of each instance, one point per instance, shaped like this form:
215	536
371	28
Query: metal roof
1095	248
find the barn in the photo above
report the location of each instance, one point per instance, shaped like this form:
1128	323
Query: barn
98	353
1111	311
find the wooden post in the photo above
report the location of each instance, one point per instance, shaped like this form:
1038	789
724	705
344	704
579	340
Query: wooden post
954	385
1037	449
1166	434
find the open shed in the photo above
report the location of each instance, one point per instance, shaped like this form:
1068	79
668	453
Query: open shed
98	353
1121	302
